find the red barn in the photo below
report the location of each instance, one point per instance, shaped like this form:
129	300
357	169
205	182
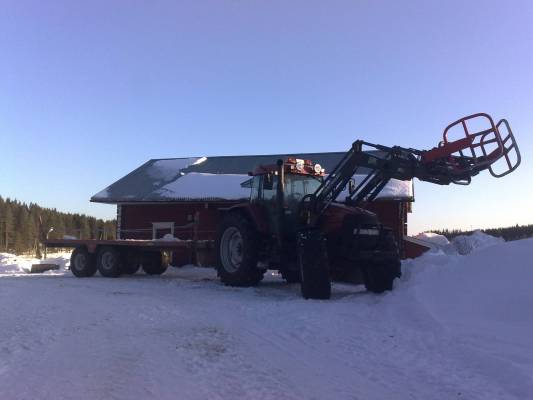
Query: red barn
181	196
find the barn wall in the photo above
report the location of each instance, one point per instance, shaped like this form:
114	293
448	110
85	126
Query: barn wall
136	223
136	219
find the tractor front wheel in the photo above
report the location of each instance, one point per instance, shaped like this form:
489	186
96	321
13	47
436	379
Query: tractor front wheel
380	275
314	267
237	252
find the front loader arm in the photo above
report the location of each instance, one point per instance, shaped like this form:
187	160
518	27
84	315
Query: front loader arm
470	145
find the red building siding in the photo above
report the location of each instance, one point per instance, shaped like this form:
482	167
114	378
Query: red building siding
136	220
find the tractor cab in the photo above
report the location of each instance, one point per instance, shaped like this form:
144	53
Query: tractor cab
299	178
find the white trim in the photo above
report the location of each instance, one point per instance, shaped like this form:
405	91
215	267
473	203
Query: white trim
162	225
119	221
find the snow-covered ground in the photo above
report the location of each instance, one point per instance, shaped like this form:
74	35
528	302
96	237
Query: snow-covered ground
455	327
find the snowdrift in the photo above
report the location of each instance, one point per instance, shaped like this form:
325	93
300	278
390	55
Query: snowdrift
483	301
463	244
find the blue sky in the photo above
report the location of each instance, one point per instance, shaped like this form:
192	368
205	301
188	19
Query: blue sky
91	90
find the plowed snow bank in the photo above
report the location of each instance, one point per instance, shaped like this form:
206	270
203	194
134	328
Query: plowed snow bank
455	327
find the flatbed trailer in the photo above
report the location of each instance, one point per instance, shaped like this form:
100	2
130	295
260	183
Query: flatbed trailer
115	257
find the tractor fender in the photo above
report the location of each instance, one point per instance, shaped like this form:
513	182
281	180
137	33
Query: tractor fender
253	213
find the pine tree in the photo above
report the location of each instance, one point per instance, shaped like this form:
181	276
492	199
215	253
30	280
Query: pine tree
23	226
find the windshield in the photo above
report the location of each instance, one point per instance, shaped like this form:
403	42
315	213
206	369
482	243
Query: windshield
297	186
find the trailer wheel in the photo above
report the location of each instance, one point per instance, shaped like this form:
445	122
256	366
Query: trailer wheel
132	263
313	263
237	252
154	262
82	263
109	262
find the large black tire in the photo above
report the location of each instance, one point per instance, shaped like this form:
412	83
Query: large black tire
237	252
154	262
109	261
132	262
314	267
82	263
379	276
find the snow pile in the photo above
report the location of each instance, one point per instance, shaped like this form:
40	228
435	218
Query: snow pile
11	264
168	237
433	239
483	302
466	244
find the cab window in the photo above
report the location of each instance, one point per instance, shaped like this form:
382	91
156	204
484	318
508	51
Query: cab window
269	186
297	186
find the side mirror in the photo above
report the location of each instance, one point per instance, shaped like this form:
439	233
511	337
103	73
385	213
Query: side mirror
351	186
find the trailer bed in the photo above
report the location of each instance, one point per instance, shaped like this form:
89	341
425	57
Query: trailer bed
92	244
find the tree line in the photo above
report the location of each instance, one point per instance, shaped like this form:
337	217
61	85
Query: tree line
516	232
23	226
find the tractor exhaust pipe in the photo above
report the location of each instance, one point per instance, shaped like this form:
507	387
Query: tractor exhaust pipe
280	200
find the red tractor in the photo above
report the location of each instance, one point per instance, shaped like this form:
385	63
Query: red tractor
293	222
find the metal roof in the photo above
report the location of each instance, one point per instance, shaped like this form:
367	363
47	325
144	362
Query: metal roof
148	183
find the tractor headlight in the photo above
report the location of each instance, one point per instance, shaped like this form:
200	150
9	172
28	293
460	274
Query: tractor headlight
318	168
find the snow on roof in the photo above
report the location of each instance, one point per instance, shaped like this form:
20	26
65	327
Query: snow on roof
196	185
394	190
209	178
104	194
167	170
199	186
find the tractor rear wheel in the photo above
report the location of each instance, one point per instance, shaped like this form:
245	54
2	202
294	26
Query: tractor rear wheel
237	252
82	263
314	267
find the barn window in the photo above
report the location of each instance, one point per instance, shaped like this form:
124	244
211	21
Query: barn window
160	229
